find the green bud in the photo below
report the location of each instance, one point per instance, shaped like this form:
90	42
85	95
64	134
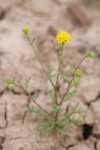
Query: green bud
9	81
76	81
78	73
25	29
90	54
57	108
68	80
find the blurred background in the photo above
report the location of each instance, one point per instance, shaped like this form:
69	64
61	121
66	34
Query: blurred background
45	18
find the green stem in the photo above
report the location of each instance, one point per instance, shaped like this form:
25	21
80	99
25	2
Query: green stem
71	80
59	66
40	61
32	99
57	81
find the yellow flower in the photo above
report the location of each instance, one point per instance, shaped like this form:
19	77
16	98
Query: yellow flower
63	37
25	29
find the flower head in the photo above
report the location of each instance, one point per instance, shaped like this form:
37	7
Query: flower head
78	73
63	37
25	29
90	54
9	81
76	82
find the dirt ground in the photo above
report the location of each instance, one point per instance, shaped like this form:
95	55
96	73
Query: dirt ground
45	18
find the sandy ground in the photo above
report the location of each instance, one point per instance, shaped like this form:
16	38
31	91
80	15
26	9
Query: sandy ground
45	18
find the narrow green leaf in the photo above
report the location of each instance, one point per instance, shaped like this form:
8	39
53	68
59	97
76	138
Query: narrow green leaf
75	110
55	107
27	82
71	94
61	130
50	71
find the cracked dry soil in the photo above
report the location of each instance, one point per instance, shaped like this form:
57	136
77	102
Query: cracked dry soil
17	128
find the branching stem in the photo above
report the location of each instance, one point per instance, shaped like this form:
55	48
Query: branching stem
60	103
26	93
71	80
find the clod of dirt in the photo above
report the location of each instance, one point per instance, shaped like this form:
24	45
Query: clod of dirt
98	145
2	13
87	92
80	146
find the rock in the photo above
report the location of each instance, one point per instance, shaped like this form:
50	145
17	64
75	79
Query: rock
1	141
69	141
24	137
90	142
2	81
19	131
15	108
39	8
1	13
5	4
78	14
2	114
95	110
89	119
96	129
79	146
87	91
65	2
98	145
92	116
52	31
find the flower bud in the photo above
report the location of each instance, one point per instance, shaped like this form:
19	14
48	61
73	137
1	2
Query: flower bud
78	73
76	81
57	108
25	29
90	54
68	80
9	81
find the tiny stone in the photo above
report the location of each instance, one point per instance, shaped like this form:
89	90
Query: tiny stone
1	13
98	145
80	146
52	31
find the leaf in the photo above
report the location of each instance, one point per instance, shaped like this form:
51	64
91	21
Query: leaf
50	71
39	111
51	94
55	107
27	82
44	124
48	130
61	130
73	122
71	94
34	109
75	110
10	81
46	127
33	96
63	76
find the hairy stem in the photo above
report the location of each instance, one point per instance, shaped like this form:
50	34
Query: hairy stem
71	80
57	80
26	93
59	66
40	61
